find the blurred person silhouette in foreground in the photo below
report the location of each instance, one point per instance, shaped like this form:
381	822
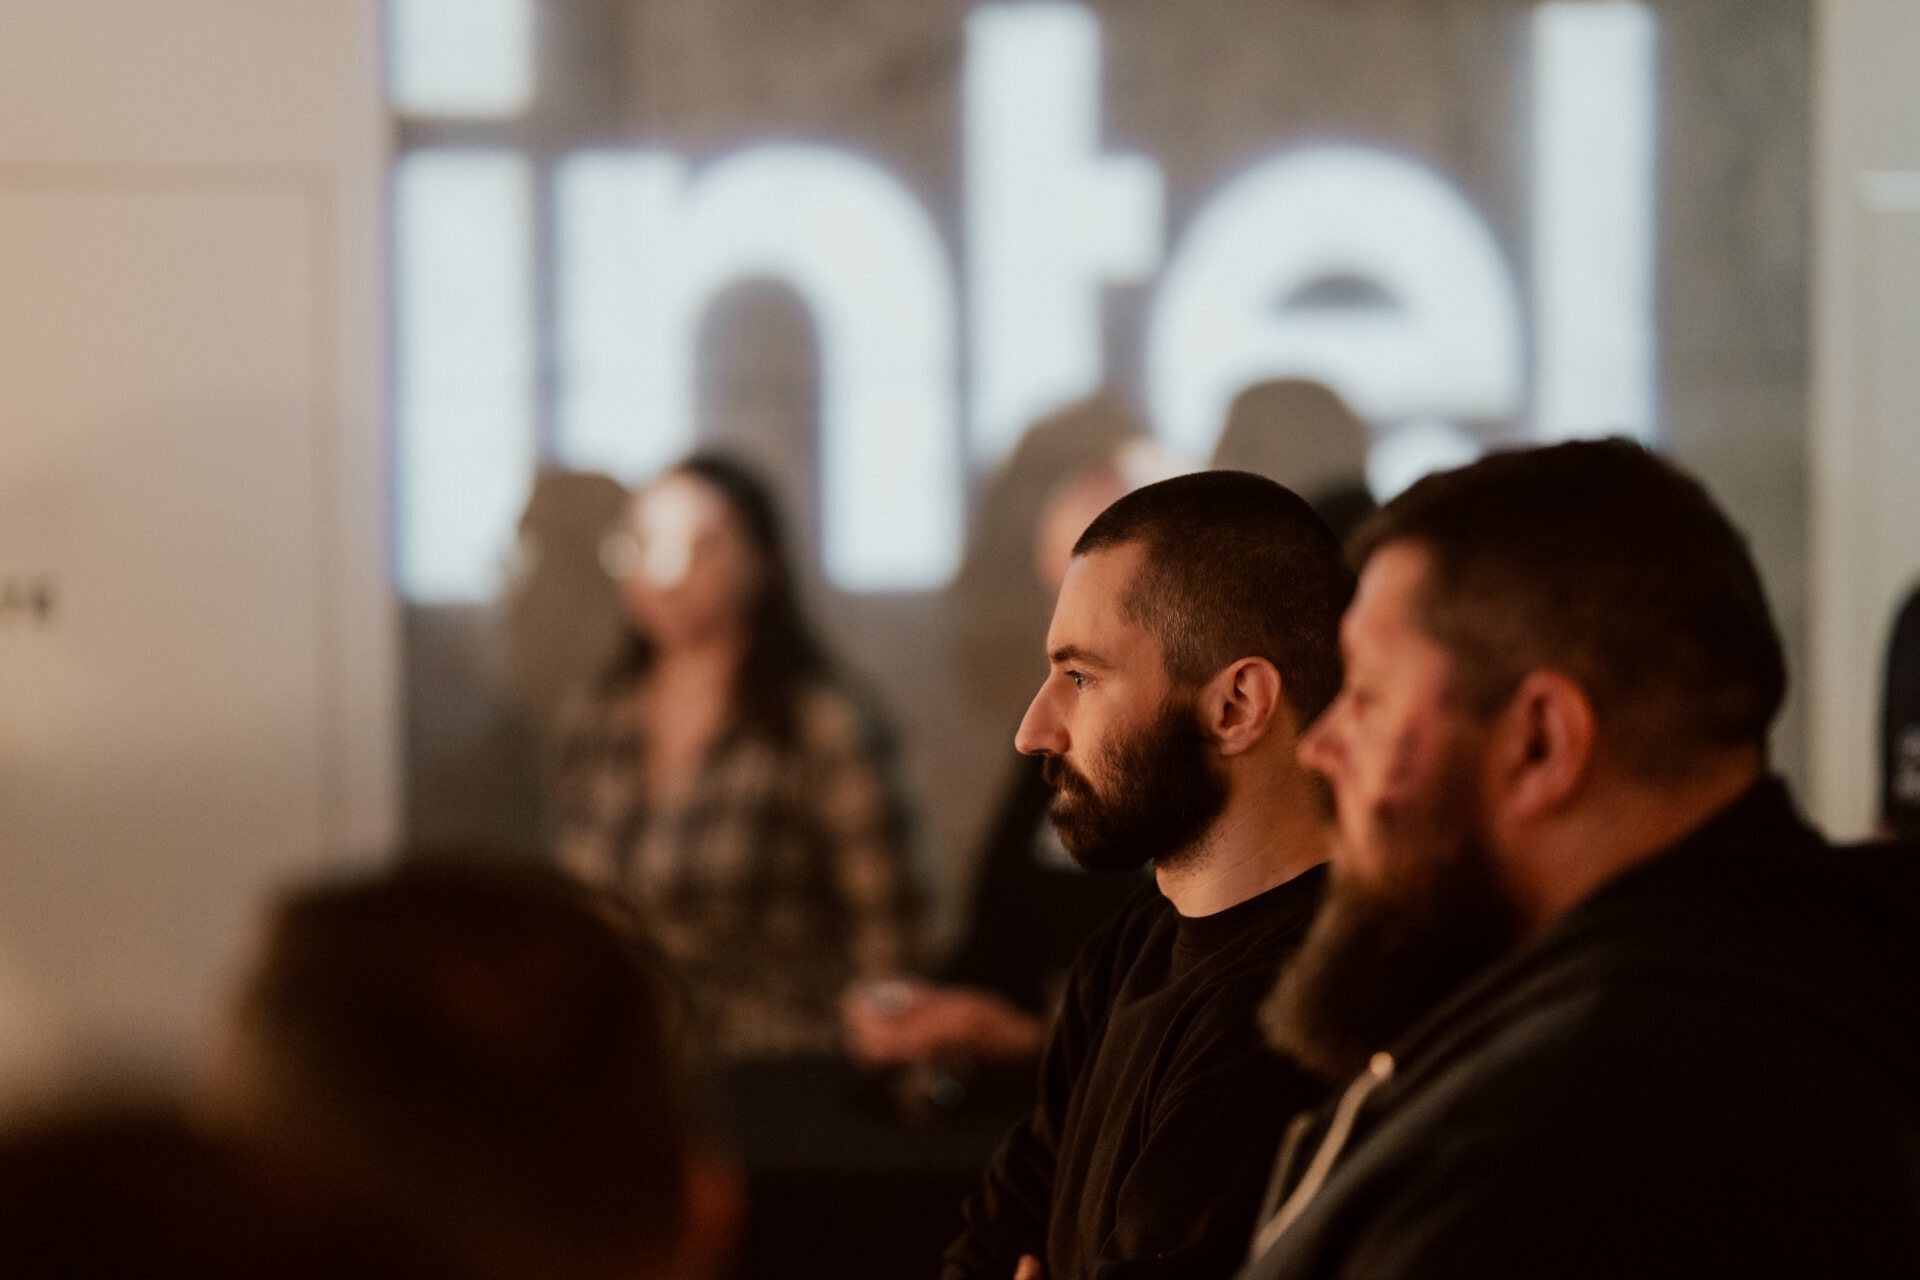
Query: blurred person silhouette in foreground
492	1051
1193	638
722	775
1607	1005
130	1190
1031	906
1301	434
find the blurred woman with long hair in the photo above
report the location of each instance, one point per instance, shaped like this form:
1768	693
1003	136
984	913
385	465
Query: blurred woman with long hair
722	774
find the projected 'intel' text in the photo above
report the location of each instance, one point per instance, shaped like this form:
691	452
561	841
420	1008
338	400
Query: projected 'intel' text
934	357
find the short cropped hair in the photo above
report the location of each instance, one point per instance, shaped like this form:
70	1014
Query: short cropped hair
1235	567
491	1046
1604	562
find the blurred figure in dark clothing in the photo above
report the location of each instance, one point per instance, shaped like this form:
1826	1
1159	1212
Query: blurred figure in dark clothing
1301	434
487	682
1031	905
490	1049
1298	433
1000	598
561	619
132	1191
1900	728
1606	1004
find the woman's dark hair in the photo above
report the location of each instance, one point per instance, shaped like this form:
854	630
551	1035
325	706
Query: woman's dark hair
782	653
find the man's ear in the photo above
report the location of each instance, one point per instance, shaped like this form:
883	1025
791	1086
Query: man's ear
1245	704
1544	744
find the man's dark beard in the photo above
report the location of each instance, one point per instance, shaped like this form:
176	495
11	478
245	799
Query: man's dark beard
1161	794
1378	958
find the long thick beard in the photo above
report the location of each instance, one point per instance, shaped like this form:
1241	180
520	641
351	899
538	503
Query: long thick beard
1378	959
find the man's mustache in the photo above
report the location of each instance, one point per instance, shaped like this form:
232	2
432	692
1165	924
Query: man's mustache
1063	777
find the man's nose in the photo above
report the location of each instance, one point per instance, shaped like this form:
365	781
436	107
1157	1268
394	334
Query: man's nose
1316	750
1041	731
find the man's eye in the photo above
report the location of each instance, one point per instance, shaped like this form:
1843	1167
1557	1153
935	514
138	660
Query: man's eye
1079	679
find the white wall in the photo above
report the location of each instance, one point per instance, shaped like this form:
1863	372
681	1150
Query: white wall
1865	442
193	451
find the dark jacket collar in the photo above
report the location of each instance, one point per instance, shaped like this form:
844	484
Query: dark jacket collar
1719	860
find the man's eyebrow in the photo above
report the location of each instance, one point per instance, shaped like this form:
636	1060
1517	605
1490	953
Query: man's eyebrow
1074	655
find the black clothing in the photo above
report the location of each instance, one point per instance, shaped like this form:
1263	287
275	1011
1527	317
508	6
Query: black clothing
1709	1068
1900	726
1159	1104
1032	908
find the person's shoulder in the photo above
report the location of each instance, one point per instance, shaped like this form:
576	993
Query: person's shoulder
1672	1029
1759	934
1644	1093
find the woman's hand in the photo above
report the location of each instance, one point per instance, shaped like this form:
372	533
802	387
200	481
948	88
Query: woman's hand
898	1021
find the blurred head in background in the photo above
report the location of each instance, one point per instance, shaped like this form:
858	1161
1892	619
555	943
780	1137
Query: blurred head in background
1012	568
1073	504
562	617
1301	434
490	1049
1296	432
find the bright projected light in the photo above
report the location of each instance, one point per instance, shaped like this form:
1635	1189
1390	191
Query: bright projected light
460	58
1448	343
1413	451
1050	220
464	366
1343	263
648	247
626	379
1593	181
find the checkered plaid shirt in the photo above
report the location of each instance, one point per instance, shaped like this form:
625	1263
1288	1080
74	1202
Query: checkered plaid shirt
783	874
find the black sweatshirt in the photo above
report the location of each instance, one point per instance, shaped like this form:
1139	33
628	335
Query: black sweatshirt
1709	1068
1160	1108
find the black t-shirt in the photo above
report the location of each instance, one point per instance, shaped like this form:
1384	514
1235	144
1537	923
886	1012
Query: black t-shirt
1160	1107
